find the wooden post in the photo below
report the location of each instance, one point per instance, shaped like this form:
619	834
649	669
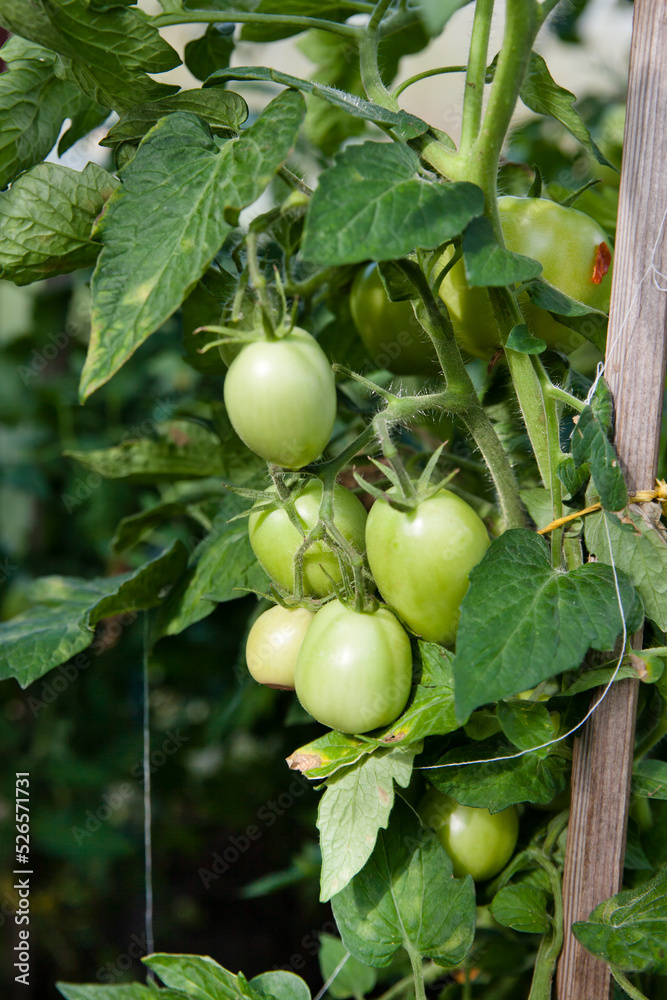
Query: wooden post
635	370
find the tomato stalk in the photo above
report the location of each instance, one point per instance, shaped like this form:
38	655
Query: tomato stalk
437	325
368	59
246	17
625	984
476	74
417	972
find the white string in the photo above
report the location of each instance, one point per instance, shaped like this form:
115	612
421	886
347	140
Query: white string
332	977
543	746
656	274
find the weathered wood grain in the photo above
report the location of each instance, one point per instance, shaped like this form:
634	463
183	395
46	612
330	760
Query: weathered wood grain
635	370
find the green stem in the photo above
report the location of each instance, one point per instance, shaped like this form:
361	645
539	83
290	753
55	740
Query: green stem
258	279
431	973
625	984
390	452
552	942
521	26
437	325
244	17
564	397
418	974
526	380
574	556
476	75
555	456
437	71
368	60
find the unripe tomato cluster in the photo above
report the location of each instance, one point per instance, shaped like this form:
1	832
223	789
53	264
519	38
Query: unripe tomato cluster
351	668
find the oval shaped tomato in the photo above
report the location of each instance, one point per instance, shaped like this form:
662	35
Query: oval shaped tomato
281	398
273	645
354	669
275	540
479	843
390	330
421	560
575	257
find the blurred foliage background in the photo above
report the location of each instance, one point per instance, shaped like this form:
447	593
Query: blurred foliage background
221	789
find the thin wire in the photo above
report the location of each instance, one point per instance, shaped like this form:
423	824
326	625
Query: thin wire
332	977
594	706
148	833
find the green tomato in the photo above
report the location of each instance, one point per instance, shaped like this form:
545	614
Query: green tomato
421	560
479	843
575	257
354	669
390	331
275	540
281	399
273	645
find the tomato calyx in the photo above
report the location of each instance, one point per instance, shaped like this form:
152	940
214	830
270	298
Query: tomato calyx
406	494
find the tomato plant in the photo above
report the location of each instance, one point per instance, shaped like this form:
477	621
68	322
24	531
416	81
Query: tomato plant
390	331
281	399
193	430
478	842
273	645
275	540
421	559
354	669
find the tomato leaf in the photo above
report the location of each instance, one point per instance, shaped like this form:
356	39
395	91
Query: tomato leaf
436	13
522	621
33	105
521	339
107	54
405	896
355	806
590	323
210	51
129	991
489	264
183	179
280	985
66	610
199	977
46	219
353	980
640	550
649	779
430	710
181	449
408	125
222	110
372	205
521	907
592	447
540	92
628	930
223	567
328	753
526	723
534	777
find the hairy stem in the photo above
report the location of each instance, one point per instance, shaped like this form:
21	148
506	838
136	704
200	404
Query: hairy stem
474	88
437	325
